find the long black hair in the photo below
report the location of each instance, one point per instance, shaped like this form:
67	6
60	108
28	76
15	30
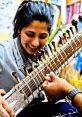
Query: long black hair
32	10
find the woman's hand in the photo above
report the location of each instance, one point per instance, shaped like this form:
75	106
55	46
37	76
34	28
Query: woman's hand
5	110
56	88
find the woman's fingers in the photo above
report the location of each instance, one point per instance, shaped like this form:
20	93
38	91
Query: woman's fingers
2	92
45	84
53	76
50	77
3	112
5	109
8	109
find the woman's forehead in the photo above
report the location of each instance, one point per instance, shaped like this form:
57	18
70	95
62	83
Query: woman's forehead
37	25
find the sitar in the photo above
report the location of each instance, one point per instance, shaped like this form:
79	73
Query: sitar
24	92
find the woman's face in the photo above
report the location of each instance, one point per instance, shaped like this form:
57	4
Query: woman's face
34	36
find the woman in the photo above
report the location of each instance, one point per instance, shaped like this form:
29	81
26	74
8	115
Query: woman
32	27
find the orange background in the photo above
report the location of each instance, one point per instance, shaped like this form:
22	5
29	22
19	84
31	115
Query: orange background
72	1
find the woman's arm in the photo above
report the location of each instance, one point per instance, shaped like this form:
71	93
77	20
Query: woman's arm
77	100
57	88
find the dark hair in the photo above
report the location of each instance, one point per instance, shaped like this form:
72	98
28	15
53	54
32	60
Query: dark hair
32	10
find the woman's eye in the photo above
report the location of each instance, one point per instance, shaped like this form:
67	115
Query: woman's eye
43	36
30	34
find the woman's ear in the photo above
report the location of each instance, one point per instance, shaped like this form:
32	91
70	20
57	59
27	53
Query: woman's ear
18	31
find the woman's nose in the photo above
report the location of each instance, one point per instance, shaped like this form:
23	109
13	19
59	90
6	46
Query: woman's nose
35	42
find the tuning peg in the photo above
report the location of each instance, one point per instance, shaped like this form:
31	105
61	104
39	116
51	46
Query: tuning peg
31	67
62	40
42	53
46	51
42	56
27	71
68	32
74	23
16	77
53	43
64	37
80	23
71	29
38	57
80	18
38	54
60	43
49	45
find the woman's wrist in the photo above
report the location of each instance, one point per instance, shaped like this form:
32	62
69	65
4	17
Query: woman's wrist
68	88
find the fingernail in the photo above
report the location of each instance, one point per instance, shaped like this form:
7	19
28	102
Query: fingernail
52	73
14	115
47	74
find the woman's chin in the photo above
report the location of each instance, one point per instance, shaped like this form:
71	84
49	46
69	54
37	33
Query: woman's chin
32	52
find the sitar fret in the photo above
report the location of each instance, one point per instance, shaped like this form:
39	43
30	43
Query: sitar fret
44	71
79	42
21	90
32	85
41	74
38	77
26	89
53	62
51	67
37	80
57	62
36	83
61	58
64	56
69	50
74	45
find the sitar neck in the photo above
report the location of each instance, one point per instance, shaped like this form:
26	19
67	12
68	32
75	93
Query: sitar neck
53	63
36	78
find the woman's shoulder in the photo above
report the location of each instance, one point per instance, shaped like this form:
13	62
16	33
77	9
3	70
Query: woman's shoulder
5	46
5	42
